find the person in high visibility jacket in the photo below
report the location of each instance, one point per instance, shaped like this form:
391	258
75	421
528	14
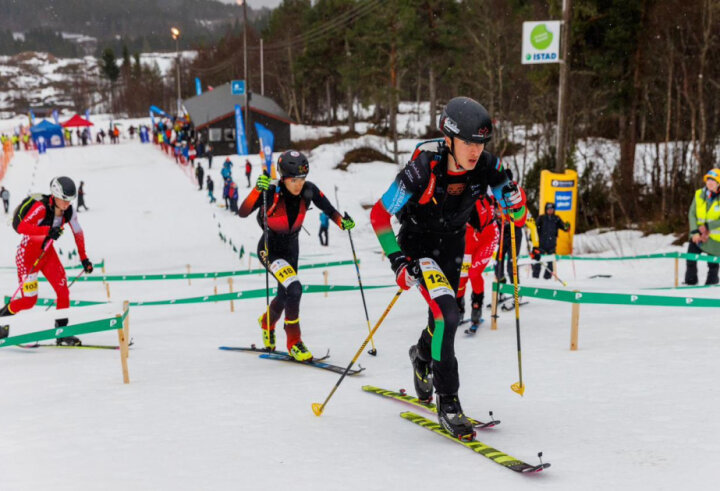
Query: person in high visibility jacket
704	220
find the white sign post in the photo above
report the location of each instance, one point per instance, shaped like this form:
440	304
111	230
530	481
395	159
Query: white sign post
541	42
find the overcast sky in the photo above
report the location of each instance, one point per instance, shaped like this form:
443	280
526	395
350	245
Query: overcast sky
257	3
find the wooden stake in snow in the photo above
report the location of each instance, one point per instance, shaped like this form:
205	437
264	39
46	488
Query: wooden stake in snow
123	333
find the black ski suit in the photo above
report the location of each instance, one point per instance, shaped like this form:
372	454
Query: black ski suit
548	227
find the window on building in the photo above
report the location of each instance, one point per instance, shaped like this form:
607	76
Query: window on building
215	134
229	134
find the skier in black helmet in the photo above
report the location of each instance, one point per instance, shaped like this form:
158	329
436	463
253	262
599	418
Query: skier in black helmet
287	202
548	226
434	198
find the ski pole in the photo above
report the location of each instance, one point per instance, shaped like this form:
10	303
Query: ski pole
517	387
267	264
499	269
46	245
373	350
319	408
554	275
69	286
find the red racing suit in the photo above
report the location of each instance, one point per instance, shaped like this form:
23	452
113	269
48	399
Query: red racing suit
479	247
34	229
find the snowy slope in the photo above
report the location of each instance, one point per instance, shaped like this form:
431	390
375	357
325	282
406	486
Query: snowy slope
632	409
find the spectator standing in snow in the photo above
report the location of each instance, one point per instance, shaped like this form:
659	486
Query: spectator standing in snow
5	196
548	226
209	155
81	196
210	188
248	170
233	195
226	193
199	174
704	221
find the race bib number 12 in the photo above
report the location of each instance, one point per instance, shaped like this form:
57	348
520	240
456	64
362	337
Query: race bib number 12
435	281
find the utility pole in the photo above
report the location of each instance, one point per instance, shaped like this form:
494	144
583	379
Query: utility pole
262	70
247	80
175	32
563	90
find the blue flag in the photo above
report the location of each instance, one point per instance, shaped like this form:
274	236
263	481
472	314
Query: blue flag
267	140
32	117
198	86
87	114
240	139
55	116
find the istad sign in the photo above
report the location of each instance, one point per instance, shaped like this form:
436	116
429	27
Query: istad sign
541	42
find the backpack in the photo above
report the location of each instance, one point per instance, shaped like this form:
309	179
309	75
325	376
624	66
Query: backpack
24	207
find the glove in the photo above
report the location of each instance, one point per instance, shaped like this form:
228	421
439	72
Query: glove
566	226
262	183
87	266
405	270
535	254
347	222
512	197
55	233
704	233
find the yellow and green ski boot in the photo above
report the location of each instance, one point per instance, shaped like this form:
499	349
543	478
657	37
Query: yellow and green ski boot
267	334
300	352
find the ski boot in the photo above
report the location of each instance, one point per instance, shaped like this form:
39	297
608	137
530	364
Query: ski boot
461	307
422	375
452	418
267	334
4	331
477	305
300	352
712	277
68	340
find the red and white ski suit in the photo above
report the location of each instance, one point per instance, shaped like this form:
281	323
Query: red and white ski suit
34	229
479	247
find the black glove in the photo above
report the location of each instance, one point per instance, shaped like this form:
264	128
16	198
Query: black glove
55	233
87	266
398	260
535	254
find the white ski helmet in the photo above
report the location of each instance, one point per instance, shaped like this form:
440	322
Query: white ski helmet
63	188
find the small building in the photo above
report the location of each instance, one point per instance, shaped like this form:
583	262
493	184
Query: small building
213	116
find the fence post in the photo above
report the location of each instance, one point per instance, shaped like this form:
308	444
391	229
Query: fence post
123	332
232	302
188	272
325	275
677	271
574	326
107	289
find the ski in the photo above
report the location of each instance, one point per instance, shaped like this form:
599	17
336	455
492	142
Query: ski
428	406
473	328
82	346
254	349
508	306
315	362
285	356
476	446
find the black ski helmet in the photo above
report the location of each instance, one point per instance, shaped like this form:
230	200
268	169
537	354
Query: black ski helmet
293	164
549	206
467	119
63	187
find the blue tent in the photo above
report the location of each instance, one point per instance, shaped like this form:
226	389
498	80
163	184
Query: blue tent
52	134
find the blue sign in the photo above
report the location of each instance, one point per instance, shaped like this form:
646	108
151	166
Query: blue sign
237	87
198	86
240	139
267	140
563	200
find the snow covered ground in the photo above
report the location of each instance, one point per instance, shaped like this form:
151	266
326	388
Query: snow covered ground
631	409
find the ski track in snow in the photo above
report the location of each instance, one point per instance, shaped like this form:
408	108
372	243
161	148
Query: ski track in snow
631	409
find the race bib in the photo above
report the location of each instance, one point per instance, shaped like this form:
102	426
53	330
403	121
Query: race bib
435	281
284	273
465	269
30	286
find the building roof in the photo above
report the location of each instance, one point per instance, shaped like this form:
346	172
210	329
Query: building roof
219	103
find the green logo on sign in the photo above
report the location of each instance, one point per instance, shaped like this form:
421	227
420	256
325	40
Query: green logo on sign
540	37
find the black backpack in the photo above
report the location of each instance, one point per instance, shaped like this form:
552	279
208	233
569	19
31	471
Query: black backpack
26	205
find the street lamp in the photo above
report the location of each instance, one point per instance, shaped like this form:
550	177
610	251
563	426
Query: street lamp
175	32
